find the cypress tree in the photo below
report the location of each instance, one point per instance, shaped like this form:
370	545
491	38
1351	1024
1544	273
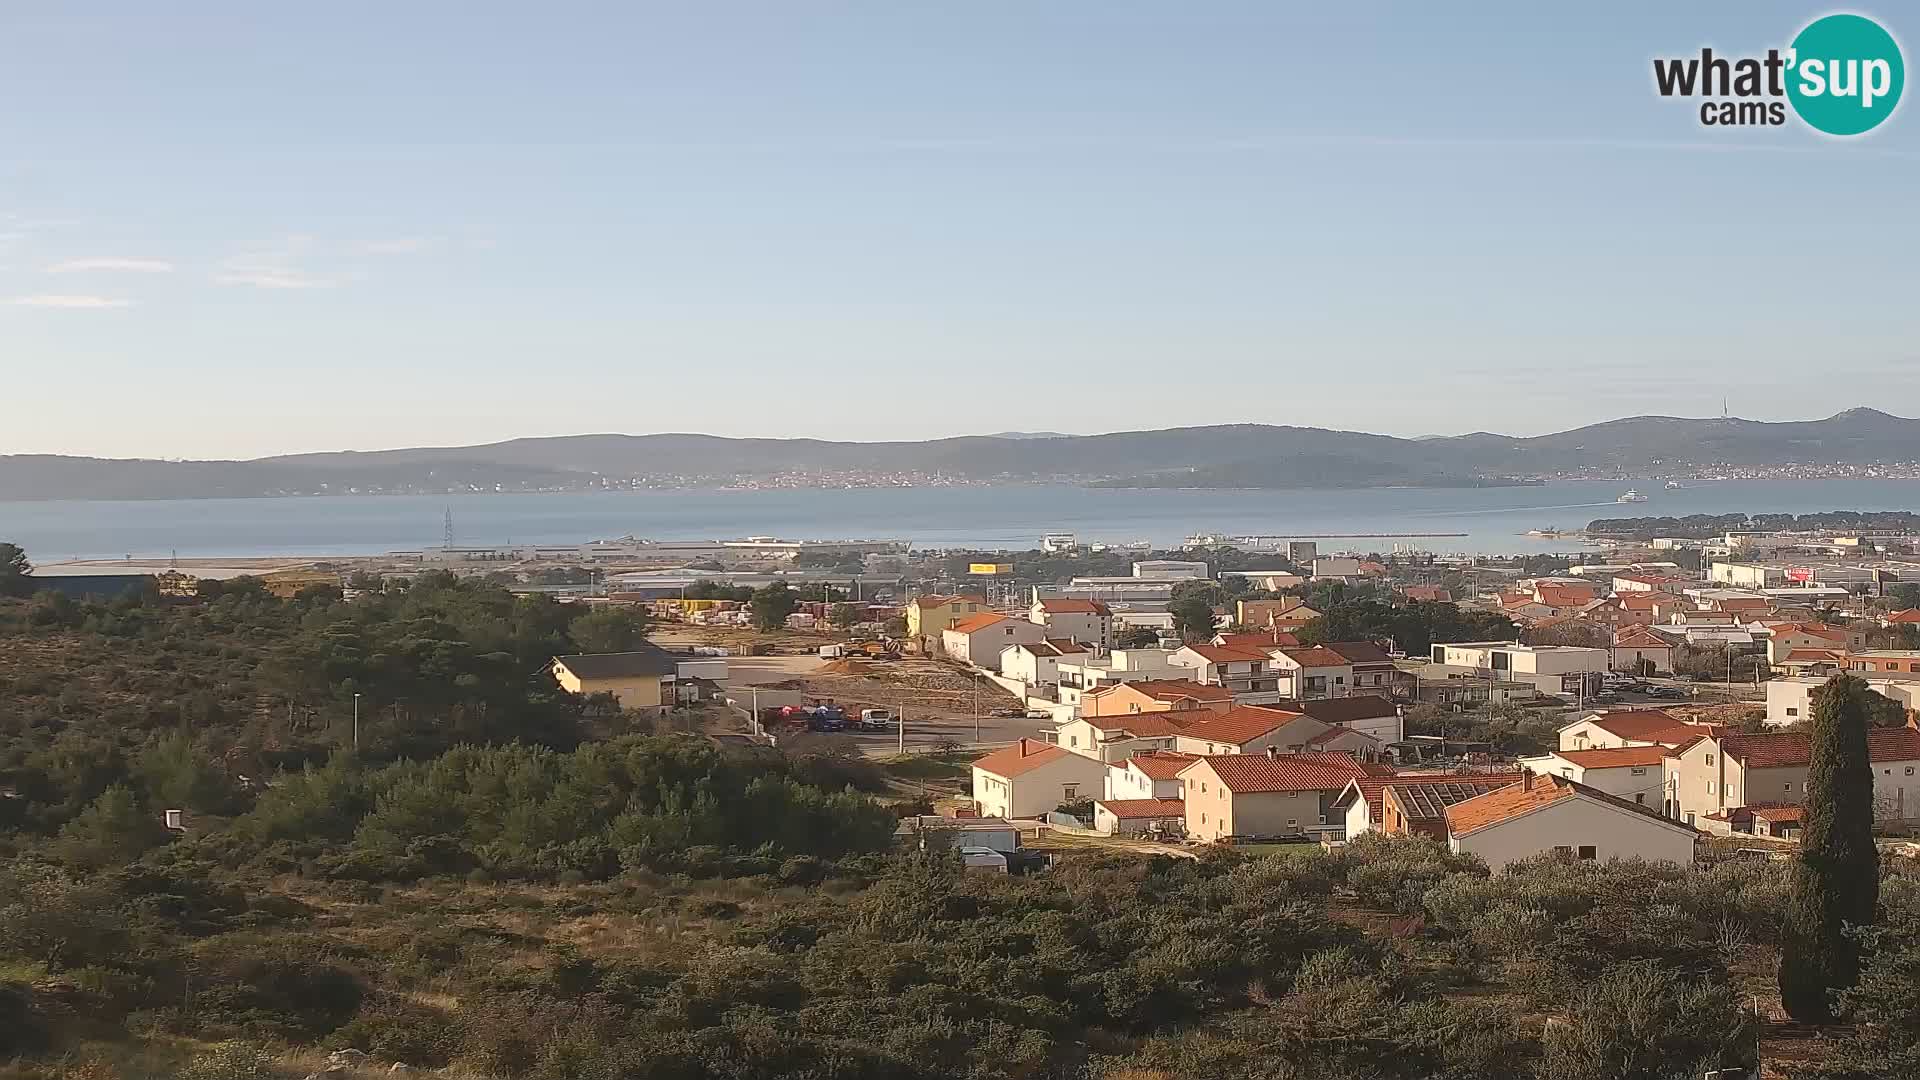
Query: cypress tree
1836	878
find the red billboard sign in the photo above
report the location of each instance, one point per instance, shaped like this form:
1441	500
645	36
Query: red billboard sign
1801	574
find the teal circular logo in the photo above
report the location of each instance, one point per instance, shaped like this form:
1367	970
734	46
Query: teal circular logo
1845	74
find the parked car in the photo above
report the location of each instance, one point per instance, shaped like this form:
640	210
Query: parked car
1039	714
1666	692
876	719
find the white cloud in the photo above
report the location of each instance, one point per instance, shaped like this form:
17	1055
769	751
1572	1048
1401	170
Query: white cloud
68	301
112	263
272	277
400	245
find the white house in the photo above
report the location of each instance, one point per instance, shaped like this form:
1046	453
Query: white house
1038	664
1544	814
1250	674
1636	647
1089	622
1369	714
1029	779
1552	669
1790	701
1250	729
1081	677
1150	774
1628	727
1637	774
979	639
1314	672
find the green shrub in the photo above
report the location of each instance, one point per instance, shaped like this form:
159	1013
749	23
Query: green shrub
231	1061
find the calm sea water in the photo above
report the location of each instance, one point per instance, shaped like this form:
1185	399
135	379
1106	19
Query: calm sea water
1493	519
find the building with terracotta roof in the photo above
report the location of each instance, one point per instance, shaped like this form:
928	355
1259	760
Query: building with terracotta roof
1262	641
1374	671
979	639
1135	817
1316	671
1626	727
1552	669
1784	638
929	615
1639	651
1427	594
1268	795
1553	814
1149	774
1772	821
1903	617
1262	614
1716	773
1038	663
1362	804
1820	663
1885	663
1089	622
1030	778
1151	695
1637	774
1370	714
1249	729
1251	674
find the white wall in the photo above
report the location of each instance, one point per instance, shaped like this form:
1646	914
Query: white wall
1615	832
1036	792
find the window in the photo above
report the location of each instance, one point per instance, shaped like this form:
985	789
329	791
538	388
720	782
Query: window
1788	786
1073	740
1203	787
1689	817
1222	794
1791	711
1709	787
1637	770
1709	759
1562	849
1293	823
1640	797
1203	819
1909	770
1588	852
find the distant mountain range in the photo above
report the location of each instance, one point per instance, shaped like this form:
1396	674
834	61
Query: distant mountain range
1231	455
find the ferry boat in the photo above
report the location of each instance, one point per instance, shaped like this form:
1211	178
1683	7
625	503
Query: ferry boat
1632	496
1674	485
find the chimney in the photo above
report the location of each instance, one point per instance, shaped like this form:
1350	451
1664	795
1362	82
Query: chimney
1526	779
1273	751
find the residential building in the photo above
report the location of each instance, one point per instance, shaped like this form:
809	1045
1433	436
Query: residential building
1885	663
1261	795
1553	814
1138	817
1628	727
1716	773
1369	714
1250	674
1903	617
1785	637
1790	700
1263	641
1314	671
1552	669
1264	614
639	679
1029	779
1373	671
1116	738
1774	822
1639	651
1819	664
1427	594
1268	580
979	639
1149	774
1249	729
1362	805
1089	622
1302	552
929	616
1121	665
1038	664
1637	774
1154	695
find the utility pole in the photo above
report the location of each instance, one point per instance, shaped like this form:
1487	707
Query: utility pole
356	721
976	710
900	728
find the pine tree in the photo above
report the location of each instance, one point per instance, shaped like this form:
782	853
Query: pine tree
1836	878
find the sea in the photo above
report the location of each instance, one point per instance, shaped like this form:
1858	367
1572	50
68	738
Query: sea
1487	520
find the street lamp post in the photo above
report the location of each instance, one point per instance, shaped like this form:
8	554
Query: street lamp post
976	709
356	721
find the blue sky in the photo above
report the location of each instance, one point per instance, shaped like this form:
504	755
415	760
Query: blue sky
242	229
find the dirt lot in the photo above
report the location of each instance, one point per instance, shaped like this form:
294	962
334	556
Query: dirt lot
937	700
739	638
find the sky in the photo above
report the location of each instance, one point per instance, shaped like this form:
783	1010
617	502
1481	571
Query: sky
233	230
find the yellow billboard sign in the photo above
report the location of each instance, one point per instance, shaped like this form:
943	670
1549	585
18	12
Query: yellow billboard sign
990	568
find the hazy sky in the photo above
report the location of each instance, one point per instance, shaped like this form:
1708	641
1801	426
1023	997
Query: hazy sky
240	229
